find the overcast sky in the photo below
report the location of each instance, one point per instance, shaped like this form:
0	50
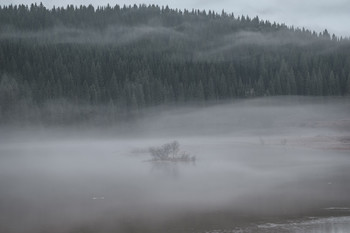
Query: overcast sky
312	14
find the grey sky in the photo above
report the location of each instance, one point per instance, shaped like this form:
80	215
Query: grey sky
312	14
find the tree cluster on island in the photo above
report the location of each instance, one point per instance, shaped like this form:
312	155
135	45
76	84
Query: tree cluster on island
170	152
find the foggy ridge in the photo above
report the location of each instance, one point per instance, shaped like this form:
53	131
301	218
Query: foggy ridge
65	65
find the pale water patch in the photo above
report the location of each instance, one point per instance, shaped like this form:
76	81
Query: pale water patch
308	225
313	225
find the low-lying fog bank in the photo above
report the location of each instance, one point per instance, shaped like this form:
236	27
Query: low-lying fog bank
259	163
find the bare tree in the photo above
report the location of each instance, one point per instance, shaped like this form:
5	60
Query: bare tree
170	152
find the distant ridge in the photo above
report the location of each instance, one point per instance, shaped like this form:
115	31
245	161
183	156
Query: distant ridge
131	57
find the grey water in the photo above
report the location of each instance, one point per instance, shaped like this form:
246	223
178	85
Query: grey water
260	167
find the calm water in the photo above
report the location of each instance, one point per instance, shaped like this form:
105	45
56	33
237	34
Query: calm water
261	167
236	185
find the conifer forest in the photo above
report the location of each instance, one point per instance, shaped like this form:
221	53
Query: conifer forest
127	58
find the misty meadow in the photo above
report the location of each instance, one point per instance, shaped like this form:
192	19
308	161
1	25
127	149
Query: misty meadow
150	119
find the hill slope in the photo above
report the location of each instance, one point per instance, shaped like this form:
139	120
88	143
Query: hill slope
138	56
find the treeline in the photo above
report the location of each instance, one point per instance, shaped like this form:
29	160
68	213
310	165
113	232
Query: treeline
137	56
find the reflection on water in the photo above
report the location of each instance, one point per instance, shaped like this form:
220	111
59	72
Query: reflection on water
169	169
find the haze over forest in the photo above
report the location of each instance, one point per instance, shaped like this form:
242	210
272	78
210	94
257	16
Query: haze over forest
145	118
64	64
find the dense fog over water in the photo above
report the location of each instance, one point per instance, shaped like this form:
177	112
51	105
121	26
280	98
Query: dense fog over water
262	165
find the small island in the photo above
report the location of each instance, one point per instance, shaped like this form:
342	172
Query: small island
170	152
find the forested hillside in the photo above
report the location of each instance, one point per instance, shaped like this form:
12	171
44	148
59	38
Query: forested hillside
131	57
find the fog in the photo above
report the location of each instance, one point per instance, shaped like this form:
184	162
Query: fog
273	40
116	34
217	48
121	35
262	165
